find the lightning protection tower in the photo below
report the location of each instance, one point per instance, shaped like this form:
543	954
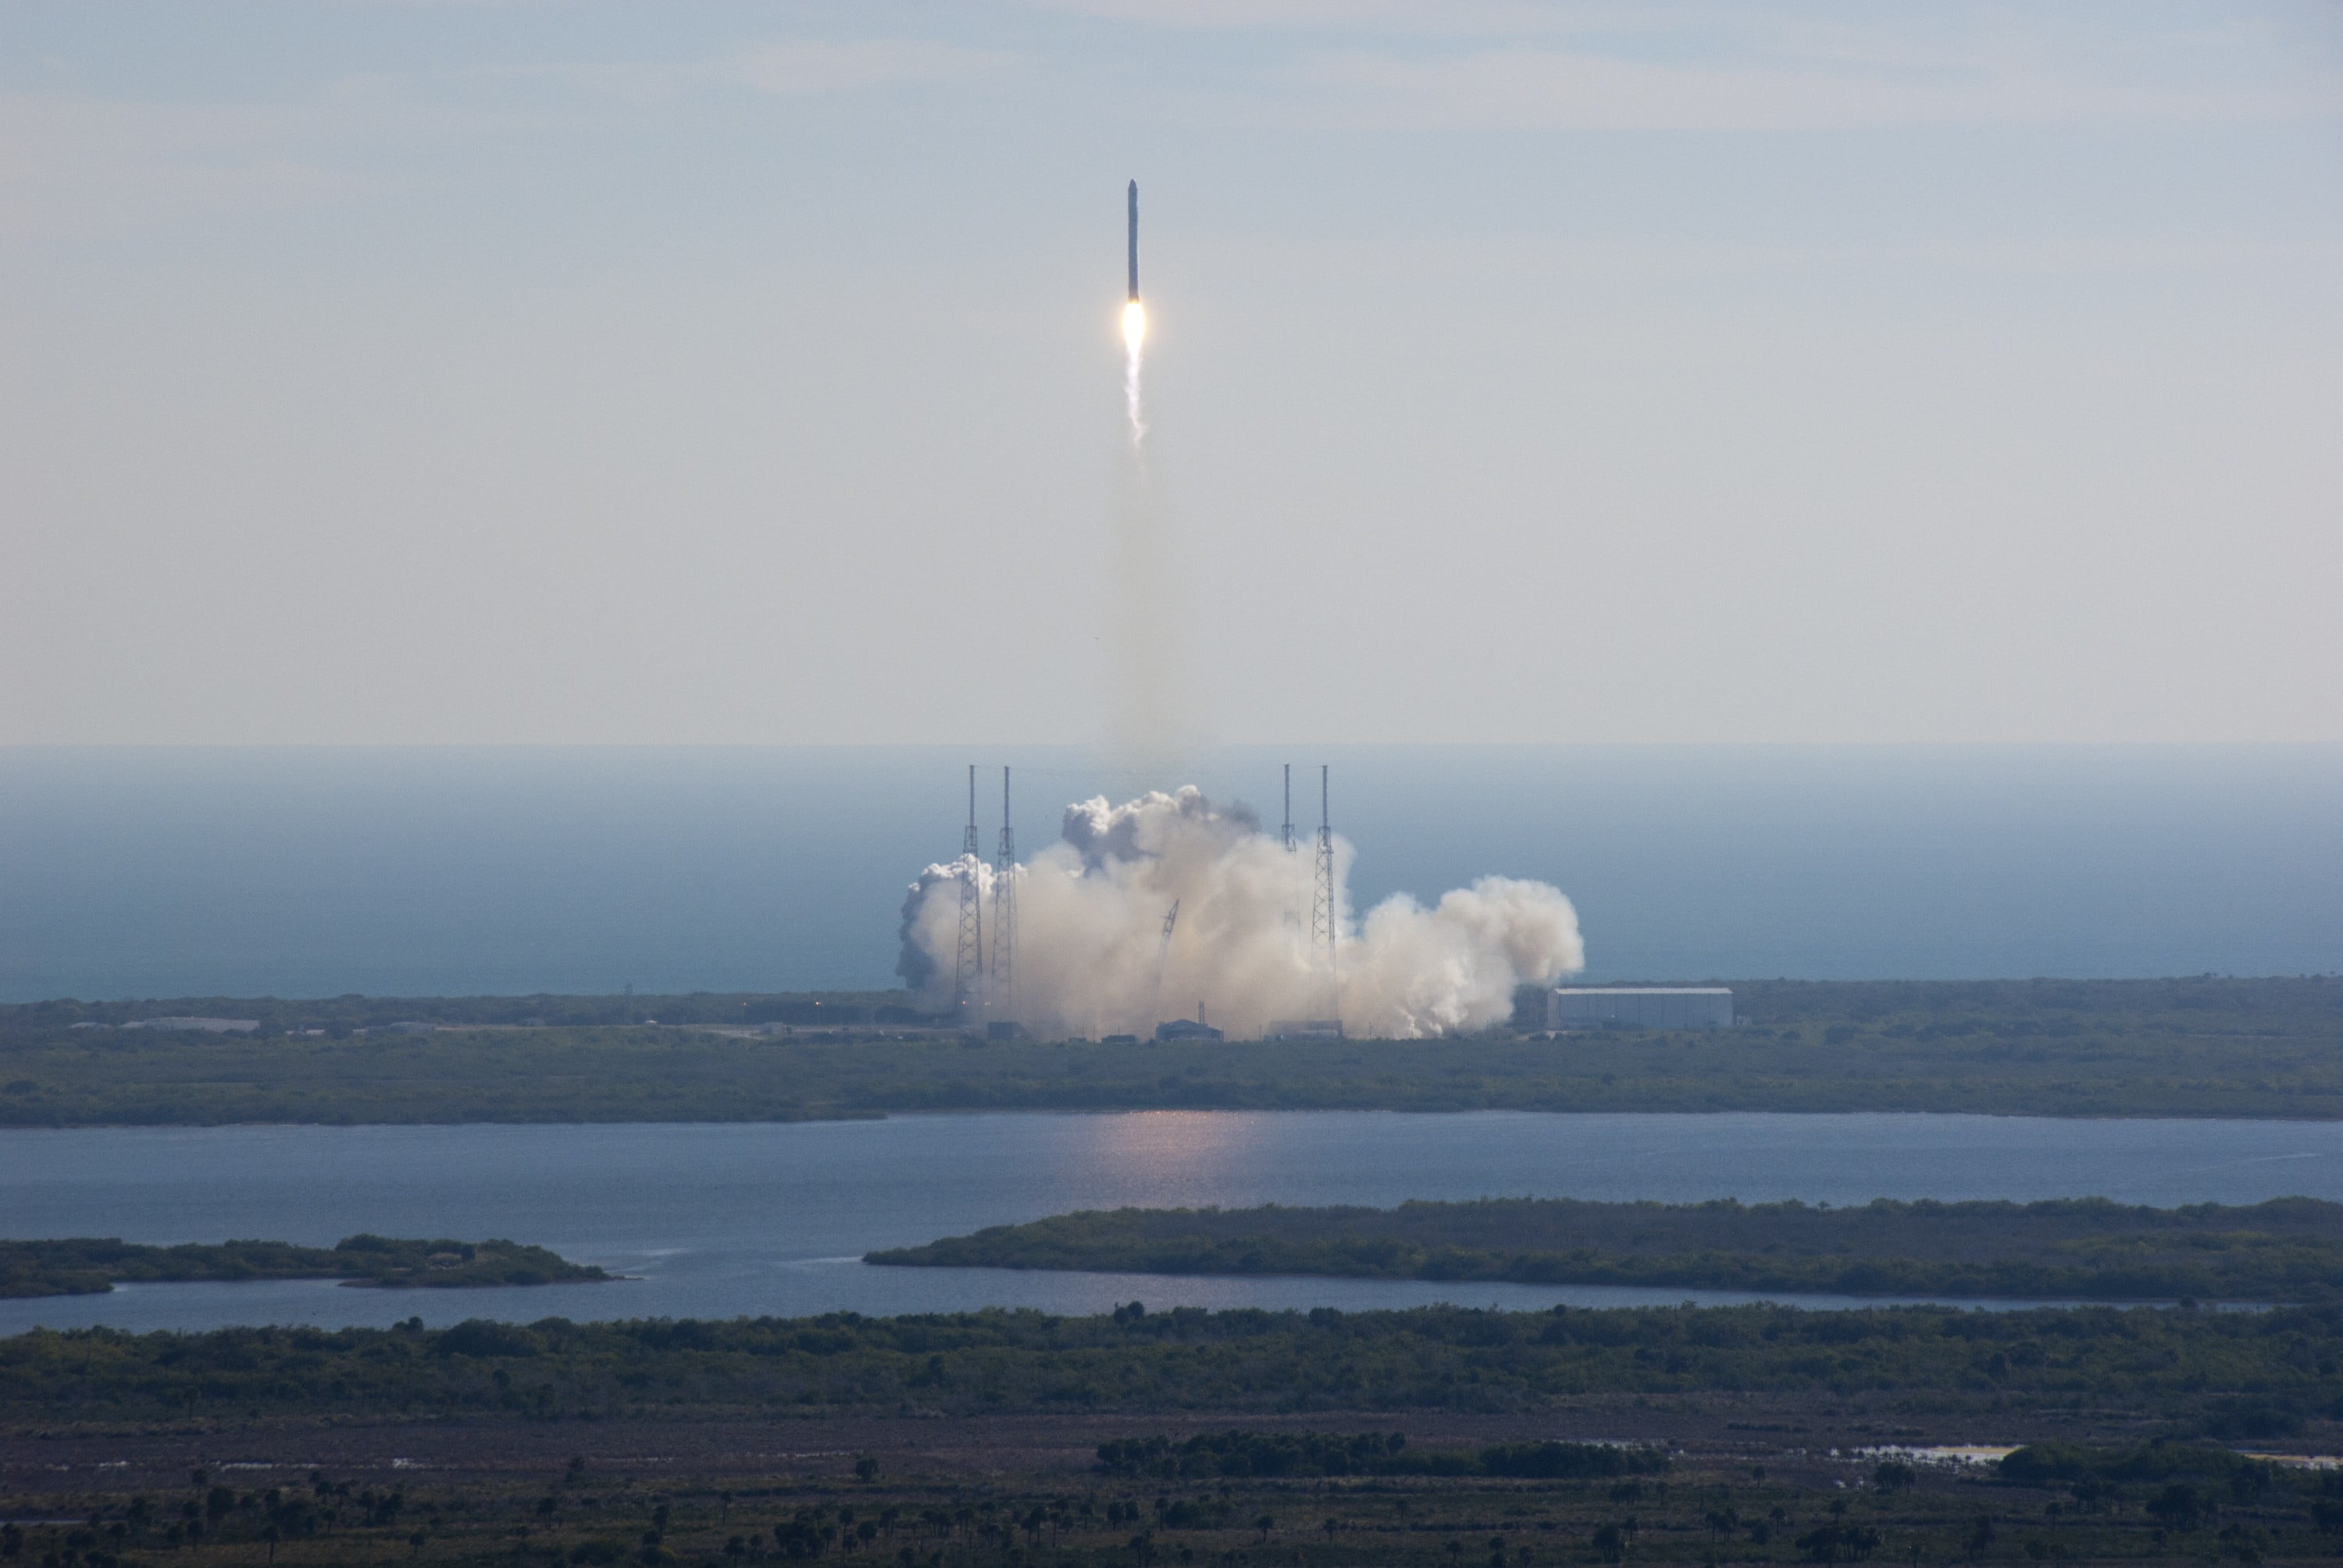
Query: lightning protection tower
1163	961
1294	872
1323	916
1004	913
967	983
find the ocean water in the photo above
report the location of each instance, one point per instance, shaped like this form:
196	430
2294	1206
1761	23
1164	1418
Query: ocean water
129	872
722	1221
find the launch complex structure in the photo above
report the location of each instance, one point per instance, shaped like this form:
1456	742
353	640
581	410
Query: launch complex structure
974	986
984	973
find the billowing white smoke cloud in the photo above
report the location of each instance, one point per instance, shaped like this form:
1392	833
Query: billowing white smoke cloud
1090	912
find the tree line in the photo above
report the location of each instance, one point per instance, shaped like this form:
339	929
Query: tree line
74	1266
2223	1374
2284	1250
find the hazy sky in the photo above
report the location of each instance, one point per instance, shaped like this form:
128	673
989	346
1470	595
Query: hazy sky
729	372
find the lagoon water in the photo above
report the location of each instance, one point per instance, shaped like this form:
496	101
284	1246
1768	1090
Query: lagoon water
726	1220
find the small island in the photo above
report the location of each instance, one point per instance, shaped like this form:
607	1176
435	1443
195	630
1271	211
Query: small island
81	1266
2088	1249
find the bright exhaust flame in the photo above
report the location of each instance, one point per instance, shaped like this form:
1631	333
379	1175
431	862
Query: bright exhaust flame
1134	338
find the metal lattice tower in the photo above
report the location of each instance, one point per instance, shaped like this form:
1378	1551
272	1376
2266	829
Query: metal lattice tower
967	983
1004	913
1323	916
1294	872
1163	961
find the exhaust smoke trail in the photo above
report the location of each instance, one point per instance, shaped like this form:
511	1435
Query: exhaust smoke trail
1135	332
1144	628
1134	340
1093	950
1143	633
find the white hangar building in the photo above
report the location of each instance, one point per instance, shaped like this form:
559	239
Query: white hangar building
1639	1007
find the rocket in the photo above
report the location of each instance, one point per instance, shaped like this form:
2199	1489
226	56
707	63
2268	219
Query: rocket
1135	332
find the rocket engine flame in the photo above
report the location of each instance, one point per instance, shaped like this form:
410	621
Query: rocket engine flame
1134	338
1093	954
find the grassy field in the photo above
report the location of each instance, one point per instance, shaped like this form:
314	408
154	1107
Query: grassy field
89	1266
1257	1500
2207	1046
1241	1440
2290	1249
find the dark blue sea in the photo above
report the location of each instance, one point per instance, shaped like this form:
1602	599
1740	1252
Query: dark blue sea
129	872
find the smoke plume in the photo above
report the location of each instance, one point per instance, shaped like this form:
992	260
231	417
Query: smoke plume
1148	708
1091	958
1134	352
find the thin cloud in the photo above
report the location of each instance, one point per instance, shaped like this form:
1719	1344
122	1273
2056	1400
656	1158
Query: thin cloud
782	66
1534	266
1527	65
1527	88
79	164
1513	17
830	67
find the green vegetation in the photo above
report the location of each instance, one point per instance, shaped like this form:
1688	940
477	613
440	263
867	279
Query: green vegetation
2289	1249
84	1266
2207	1046
847	1438
2053	1464
2224	1374
2173	1503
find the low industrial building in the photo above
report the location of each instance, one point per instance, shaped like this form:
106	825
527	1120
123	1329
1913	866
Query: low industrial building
1639	1007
